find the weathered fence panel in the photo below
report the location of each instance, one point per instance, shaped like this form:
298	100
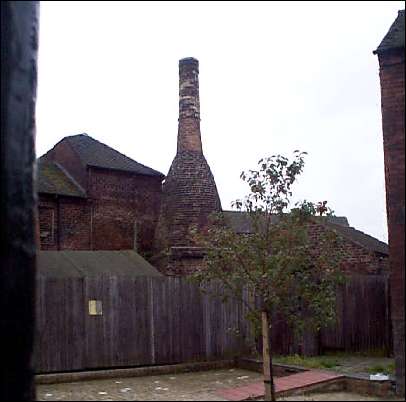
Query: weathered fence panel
149	321
60	324
144	321
363	316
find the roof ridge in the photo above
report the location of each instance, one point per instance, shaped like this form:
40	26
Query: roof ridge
395	36
115	150
345	229
360	231
111	149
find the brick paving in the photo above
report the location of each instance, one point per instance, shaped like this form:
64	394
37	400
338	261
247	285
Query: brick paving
193	386
291	382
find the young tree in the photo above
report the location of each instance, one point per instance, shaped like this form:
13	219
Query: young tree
278	261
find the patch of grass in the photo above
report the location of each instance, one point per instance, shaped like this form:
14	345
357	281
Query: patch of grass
316	362
385	369
369	353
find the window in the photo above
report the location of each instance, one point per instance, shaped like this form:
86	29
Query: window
46	225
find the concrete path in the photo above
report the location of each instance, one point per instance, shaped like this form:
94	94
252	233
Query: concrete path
282	384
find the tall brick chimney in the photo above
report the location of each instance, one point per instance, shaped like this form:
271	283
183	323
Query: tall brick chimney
189	106
189	191
391	56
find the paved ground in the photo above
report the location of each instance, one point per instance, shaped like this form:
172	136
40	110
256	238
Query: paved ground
200	386
294	381
197	386
334	396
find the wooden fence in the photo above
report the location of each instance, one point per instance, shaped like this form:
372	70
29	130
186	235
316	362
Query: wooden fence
145	321
150	321
363	316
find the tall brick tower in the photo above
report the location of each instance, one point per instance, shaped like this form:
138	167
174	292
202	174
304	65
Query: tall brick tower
189	191
391	55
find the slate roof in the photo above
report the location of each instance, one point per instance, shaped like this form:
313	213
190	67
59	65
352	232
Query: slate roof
361	238
395	38
94	153
80	264
52	179
240	223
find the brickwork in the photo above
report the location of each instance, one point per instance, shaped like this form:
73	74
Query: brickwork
74	224
189	138
121	204
117	204
392	80
64	223
189	193
355	258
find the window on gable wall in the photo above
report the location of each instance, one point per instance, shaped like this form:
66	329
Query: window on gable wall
46	225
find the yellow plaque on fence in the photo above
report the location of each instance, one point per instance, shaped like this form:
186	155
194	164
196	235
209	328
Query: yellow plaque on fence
95	307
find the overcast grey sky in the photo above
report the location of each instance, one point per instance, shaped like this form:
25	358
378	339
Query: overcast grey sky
274	77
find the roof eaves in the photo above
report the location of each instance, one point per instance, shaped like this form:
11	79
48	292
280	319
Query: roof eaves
149	171
158	174
345	234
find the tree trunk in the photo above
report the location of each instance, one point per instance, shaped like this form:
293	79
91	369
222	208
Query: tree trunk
267	359
252	337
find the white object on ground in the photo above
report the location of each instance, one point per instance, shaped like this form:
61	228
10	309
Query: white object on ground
125	389
118	382
243	377
172	378
378	377
48	395
102	393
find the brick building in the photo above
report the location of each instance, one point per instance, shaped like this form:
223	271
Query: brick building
391	55
92	197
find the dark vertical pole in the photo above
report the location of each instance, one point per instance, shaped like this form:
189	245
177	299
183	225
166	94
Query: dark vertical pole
19	38
391	56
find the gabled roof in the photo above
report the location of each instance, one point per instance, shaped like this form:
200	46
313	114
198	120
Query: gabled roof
395	38
240	222
52	179
69	263
361	238
94	153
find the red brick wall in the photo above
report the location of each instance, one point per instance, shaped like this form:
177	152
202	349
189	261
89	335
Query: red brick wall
355	258
69	219
392	73
119	200
74	228
105	220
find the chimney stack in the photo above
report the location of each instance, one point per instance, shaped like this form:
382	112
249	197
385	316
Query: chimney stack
189	194
189	106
